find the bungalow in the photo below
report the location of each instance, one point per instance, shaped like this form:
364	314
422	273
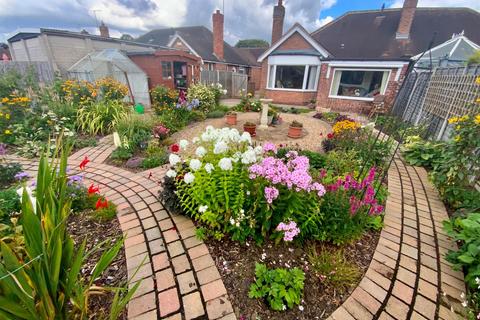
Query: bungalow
362	54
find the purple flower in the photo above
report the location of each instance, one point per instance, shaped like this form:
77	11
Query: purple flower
22	175
74	180
271	193
290	230
268	146
3	149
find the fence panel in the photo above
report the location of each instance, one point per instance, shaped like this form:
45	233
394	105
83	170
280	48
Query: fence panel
41	70
233	82
431	98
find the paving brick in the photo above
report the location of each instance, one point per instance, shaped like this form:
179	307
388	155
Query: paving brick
186	282
156	246
137	249
366	300
181	264
192	242
165	224
219	307
160	261
213	290
378	279
141	305
198	251
175	248
203	262
165	279
133	240
342	314
145	286
425	307
208	275
397	308
177	316
193	305
170	235
374	289
168	302
142	272
403	292
187	233
151	315
153	234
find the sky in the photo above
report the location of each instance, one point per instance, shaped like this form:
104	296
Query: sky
243	18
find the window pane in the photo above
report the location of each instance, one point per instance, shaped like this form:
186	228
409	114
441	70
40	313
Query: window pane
289	77
312	77
365	84
166	69
271	76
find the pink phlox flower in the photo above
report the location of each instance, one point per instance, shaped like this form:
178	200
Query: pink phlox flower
269	146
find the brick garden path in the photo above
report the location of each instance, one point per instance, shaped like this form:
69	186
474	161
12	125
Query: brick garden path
408	277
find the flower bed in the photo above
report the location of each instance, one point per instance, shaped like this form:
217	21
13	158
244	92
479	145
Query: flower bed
265	198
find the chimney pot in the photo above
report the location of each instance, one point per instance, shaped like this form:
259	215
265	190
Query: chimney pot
278	17
406	19
104	30
218	21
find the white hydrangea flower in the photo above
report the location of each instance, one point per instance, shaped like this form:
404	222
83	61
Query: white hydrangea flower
174	159
201	151
202	209
183	144
189	177
249	156
258	150
171	173
195	164
246	137
209	167
220	147
232	221
225	164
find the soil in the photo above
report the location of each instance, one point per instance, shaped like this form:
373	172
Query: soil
236	263
83	226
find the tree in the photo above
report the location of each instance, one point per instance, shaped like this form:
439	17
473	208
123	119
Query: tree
474	58
126	37
252	43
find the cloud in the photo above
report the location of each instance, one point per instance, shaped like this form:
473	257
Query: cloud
243	19
473	4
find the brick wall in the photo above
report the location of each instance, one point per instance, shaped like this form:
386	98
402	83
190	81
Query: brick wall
347	105
295	42
290	97
255	77
217	19
152	66
277	26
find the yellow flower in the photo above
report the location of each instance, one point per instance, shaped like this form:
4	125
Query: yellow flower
457	138
458	127
477	119
7	131
7	116
453	120
477	80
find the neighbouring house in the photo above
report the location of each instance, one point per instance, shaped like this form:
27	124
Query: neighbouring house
250	55
209	46
362	54
63	48
115	64
175	69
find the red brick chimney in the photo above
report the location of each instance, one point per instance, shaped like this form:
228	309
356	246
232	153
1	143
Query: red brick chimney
217	18
406	19
278	17
104	30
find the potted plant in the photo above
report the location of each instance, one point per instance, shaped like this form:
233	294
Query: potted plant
271	114
295	130
250	127
231	118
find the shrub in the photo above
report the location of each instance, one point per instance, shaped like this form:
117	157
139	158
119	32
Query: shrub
155	160
121	154
8	172
81	142
280	287
77	92
135	129
333	269
248	103
204	94
163	98
107	213
110	89
216	114
9	203
418	152
100	117
168	195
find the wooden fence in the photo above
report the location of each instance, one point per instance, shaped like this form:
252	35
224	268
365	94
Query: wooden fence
234	83
41	70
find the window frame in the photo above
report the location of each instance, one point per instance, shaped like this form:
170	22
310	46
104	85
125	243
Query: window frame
305	77
169	77
334	96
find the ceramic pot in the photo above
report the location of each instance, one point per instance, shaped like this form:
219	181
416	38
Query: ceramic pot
231	119
295	132
250	129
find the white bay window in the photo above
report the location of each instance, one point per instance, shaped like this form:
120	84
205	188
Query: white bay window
359	84
293	73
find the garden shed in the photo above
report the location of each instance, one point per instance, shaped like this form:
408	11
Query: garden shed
113	63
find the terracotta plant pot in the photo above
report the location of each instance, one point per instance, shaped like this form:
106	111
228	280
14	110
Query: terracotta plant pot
295	132
231	119
250	129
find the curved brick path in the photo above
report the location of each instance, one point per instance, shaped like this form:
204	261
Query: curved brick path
408	277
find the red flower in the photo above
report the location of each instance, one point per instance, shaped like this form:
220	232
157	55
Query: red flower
174	148
330	136
84	163
101	204
92	189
